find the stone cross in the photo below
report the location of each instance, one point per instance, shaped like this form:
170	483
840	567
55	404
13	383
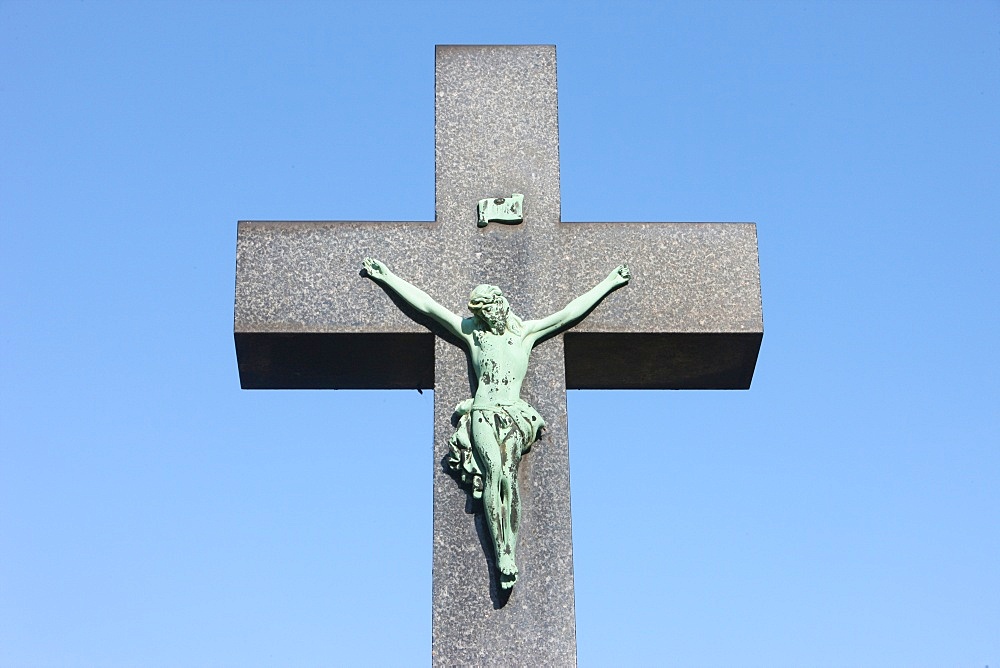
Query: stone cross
690	319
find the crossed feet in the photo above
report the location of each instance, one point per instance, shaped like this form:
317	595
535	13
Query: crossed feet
508	571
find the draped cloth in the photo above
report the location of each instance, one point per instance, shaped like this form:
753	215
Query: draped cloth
518	420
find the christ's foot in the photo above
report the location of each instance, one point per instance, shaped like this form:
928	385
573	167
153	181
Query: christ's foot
508	571
507	580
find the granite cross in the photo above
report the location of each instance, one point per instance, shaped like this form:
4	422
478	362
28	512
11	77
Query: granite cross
691	318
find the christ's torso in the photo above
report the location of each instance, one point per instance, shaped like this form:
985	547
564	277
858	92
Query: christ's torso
500	362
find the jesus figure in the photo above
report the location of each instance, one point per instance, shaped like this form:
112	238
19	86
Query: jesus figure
496	426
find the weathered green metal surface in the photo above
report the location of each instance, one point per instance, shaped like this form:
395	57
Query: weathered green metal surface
508	210
496	426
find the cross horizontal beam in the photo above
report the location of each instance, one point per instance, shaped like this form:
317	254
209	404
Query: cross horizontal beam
690	320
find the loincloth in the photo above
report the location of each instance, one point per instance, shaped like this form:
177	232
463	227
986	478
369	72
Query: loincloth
517	417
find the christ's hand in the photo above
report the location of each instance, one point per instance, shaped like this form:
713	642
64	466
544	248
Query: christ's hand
621	275
375	269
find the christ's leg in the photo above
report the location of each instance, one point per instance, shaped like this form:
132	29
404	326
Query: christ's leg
510	457
496	493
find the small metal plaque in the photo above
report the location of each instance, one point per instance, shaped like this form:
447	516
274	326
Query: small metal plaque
507	210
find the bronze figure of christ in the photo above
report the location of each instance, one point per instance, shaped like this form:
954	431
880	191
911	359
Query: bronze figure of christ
496	426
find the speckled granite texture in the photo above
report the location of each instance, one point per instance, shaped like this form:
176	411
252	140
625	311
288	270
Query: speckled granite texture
691	318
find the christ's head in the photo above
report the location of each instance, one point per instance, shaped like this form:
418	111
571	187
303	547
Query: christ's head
489	305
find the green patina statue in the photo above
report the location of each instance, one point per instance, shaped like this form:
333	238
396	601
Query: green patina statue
496	426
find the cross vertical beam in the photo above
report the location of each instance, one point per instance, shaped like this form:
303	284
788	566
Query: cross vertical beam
496	133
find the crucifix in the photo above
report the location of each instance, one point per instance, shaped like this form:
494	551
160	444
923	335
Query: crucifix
690	319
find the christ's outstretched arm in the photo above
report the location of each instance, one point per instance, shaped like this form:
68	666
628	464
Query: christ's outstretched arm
578	308
413	296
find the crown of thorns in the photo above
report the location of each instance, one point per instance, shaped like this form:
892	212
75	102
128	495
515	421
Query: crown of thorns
483	295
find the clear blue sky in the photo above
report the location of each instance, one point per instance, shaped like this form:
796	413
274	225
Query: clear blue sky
843	512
